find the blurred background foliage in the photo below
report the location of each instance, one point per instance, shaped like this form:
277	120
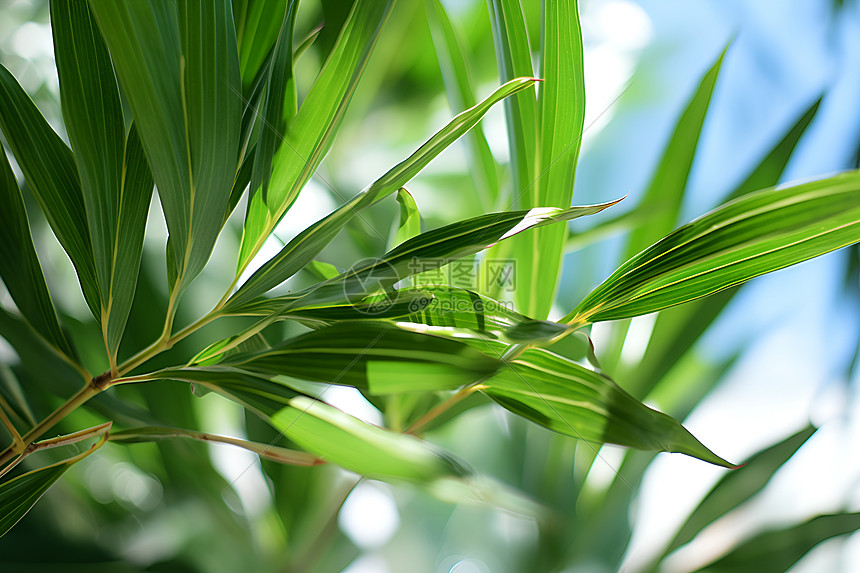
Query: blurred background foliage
745	370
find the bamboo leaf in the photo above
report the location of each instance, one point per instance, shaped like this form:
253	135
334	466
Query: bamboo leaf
737	486
561	110
371	356
677	329
135	196
50	171
19	265
665	192
750	236
308	244
561	395
20	494
514	59
93	117
777	550
279	102
410	219
434	249
458	86
257	26
179	68
311	132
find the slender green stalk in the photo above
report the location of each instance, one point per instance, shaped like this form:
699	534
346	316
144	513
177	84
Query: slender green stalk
91	389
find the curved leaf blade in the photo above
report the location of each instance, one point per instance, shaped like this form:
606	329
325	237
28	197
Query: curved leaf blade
179	68
776	551
19	264
279	102
758	233
52	176
436	248
565	397
310	134
308	244
20	494
561	112
371	356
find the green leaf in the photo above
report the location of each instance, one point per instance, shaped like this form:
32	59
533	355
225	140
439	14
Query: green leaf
322	270
19	265
737	486
179	69
311	132
750	236
458	86
436	248
665	192
410	219
565	397
19	495
776	551
308	244
677	329
514	59
360	447
115	179
52	176
257	26
561	109
279	102
770	169
93	117
371	356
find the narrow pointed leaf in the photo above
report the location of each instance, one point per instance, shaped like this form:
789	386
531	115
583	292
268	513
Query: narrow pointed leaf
309	136
750	236
514	59
115	178
677	329
19	495
777	550
409	224
308	244
561	109
257	26
135	196
737	486
372	356
436	248
665	192
93	117
179	69
50	171
570	399
458	86
279	103
19	265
